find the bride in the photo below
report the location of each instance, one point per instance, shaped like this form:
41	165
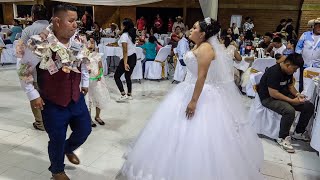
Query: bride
200	130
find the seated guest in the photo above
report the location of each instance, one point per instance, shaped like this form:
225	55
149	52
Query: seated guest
277	46
278	57
113	31
175	37
281	26
291	46
91	44
97	33
230	33
233	53
277	92
240	40
150	49
266	41
178	23
13	32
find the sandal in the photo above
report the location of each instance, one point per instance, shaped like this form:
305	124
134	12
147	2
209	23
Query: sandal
99	121
93	124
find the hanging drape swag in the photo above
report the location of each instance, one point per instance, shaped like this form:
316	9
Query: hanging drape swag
209	8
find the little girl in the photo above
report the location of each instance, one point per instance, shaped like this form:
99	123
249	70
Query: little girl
98	92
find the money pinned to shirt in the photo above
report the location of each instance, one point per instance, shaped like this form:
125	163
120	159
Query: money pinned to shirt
51	66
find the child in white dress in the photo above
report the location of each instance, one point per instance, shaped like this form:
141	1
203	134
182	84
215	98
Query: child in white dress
98	93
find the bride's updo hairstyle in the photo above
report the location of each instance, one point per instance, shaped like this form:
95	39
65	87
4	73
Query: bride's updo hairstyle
210	27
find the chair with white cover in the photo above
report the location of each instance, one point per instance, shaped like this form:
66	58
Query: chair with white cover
8	55
137	71
315	132
180	71
263	120
308	85
2	43
161	42
260	65
157	69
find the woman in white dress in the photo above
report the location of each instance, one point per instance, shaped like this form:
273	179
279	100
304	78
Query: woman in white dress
200	131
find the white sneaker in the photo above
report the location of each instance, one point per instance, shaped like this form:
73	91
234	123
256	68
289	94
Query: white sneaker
130	97
123	98
301	136
286	144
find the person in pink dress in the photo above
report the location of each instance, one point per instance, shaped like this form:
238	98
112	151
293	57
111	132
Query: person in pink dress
158	23
141	23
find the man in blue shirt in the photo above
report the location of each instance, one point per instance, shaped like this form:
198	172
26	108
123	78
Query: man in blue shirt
309	47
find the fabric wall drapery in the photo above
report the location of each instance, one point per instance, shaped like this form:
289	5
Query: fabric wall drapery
209	8
111	2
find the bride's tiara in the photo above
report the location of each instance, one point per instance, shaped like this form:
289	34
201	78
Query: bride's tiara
208	20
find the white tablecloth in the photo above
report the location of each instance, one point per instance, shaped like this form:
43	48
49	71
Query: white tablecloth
108	40
109	51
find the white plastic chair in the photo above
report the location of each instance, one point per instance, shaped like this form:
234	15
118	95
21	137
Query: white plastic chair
153	69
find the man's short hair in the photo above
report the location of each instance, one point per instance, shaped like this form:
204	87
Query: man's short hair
269	34
295	59
289	20
277	40
283	20
277	56
39	11
63	8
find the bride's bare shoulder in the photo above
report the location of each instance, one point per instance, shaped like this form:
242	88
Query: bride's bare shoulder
205	50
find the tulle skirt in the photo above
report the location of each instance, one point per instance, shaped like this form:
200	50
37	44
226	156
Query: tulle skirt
216	144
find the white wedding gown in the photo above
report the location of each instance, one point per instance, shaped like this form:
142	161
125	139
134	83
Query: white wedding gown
218	143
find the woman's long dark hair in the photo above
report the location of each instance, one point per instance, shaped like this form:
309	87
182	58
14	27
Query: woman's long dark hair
129	28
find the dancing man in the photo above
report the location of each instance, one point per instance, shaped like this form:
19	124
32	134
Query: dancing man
57	57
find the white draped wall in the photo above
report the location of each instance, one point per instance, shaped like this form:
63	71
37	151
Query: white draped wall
111	2
209	8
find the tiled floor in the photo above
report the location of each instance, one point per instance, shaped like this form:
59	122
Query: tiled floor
23	151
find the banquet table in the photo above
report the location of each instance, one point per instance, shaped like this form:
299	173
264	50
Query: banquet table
109	51
106	41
